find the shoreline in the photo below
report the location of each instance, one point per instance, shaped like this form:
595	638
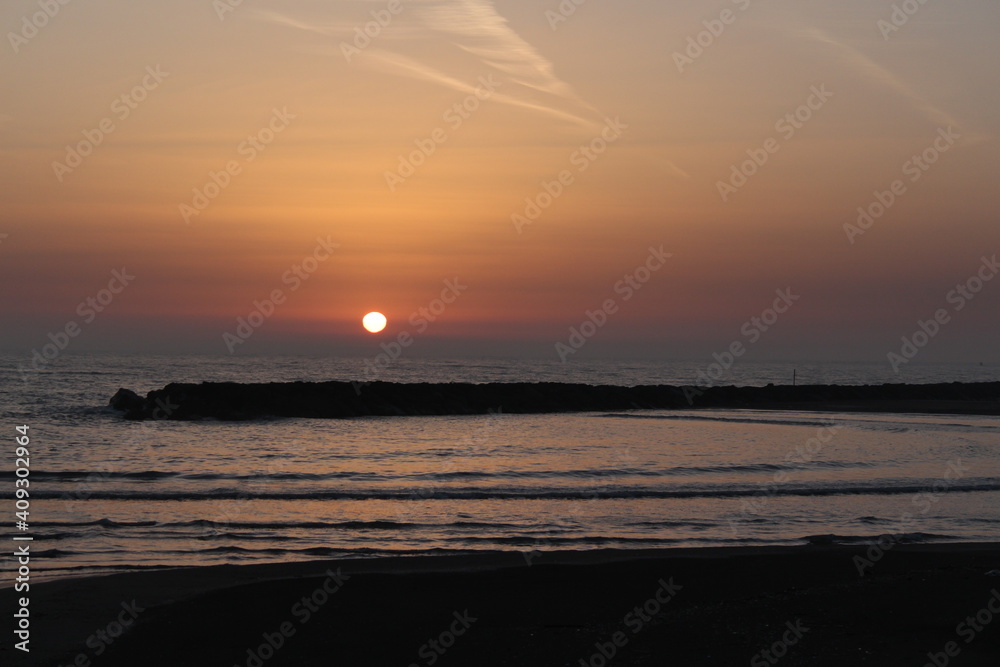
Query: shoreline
231	401
713	605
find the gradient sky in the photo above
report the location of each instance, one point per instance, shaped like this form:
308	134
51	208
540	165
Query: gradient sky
345	117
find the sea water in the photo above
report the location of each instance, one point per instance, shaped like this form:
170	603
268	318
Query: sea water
109	494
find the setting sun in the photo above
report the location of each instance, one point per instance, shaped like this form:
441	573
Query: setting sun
374	322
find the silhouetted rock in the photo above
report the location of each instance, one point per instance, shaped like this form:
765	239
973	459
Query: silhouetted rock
129	402
235	401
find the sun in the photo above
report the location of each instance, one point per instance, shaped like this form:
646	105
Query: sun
374	322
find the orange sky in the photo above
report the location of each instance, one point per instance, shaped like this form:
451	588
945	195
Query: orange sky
161	96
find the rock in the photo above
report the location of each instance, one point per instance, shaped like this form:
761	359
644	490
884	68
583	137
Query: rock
129	402
235	401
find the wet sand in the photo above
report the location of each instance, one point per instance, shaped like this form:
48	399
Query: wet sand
726	606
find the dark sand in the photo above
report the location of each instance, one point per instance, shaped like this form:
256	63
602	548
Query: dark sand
732	604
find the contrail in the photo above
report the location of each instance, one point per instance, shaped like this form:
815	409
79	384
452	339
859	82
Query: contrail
474	27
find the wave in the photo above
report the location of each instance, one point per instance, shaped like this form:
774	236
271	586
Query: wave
904	538
640	472
474	543
735	420
989	484
252	525
312	551
106	523
92	475
98	476
53	553
675	524
549	540
815	540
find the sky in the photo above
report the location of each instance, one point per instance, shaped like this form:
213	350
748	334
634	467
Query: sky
539	178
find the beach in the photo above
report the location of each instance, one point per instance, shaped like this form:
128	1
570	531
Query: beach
689	536
804	605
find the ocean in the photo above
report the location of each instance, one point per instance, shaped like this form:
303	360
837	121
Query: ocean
109	494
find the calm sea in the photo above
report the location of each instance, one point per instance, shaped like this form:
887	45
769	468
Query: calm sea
111	494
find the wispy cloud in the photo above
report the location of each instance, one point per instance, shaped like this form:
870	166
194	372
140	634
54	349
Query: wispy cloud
395	63
473	27
883	77
337	28
487	35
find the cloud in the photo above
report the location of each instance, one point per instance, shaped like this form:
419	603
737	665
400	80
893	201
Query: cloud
492	40
882	76
394	63
340	29
473	27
